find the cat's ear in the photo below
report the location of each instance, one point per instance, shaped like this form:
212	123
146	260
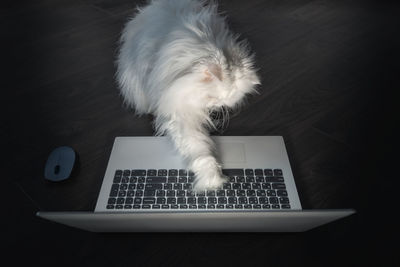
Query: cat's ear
212	72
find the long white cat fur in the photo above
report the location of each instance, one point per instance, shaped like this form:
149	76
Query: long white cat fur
179	61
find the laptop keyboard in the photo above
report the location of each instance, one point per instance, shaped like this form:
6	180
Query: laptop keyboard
246	189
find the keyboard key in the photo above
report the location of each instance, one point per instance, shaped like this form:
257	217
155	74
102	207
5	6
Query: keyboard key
172	179
184	206
178	186
274	179
190	193
273	200
258	172
233	172
278	172
180	193
266	206
151	172
125	180
120	206
153	186
266	186
202	200
149	200
112	200
149	193
117	178
182	179
161	200
138	173
239	206
129	200
281	193
260	179
162	173
230	193
173	172
241	193
229	206
221	193
181	200
256	206
283	200
242	200
127	173
261	193
212	200
118	172
251	193
246	186
263	200
187	186
155	206
232	200
200	193
114	193
123	187
271	193
136	206
226	186
130	193
160	193
248	206
285	206
278	186
276	206
156	180
191	200
139	193
191	179
122	193
268	172
174	206
220	206
137	200
110	207
240	179
211	206
171	200
236	186
165	206
146	206
210	193
182	172
255	186
222	200
127	207
253	200
168	186
140	186
193	206
132	187
249	172
133	179
250	179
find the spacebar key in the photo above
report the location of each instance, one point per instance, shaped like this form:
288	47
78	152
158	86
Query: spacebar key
156	180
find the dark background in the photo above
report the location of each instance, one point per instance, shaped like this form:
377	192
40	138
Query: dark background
329	76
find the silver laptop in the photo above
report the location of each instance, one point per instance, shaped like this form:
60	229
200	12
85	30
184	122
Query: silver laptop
147	188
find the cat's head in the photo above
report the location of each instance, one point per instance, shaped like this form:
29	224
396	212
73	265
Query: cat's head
227	85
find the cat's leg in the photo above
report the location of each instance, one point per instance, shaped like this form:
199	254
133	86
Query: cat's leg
194	143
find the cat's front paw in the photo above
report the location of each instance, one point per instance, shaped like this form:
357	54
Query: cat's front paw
208	174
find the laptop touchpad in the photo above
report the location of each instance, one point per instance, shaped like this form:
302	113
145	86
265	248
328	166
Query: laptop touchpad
231	152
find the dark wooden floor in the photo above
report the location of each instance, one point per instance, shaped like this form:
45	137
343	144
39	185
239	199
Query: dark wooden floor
328	73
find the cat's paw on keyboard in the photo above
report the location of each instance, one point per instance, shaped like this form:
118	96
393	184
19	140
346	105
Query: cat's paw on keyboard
208	174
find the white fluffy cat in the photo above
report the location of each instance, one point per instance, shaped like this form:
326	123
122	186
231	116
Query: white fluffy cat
179	61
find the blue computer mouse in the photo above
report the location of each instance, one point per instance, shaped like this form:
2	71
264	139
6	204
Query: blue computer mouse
60	164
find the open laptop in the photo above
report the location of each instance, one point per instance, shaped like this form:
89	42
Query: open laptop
147	188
